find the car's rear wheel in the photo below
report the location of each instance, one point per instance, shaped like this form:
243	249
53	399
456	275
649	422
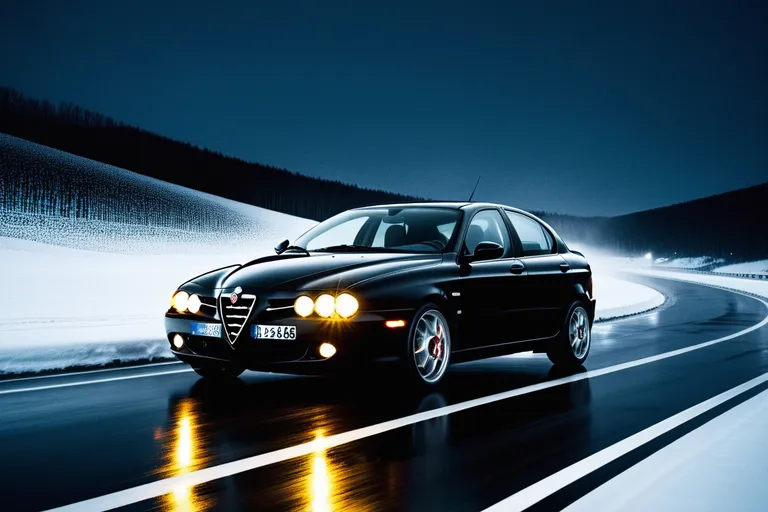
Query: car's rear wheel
221	373
571	348
428	352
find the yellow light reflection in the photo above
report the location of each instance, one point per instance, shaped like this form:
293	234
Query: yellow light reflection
320	484
184	453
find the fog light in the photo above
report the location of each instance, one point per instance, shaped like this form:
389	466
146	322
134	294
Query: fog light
394	324
327	350
178	341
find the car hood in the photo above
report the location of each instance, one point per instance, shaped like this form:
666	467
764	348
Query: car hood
320	271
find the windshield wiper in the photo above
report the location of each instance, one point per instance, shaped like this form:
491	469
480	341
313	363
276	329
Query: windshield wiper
354	248
297	248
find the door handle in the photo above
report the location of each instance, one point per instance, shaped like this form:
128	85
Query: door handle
564	267
517	267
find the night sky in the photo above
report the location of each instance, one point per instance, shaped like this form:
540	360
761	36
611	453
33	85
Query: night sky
592	108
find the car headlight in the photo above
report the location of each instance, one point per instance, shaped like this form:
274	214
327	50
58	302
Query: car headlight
194	303
304	306
180	301
325	305
346	305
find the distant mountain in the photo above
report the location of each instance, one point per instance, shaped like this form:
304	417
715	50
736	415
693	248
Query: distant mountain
733	225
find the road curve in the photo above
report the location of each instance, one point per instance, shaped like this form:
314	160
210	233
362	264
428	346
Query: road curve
67	439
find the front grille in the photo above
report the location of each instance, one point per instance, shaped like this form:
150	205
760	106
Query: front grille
208	307
235	316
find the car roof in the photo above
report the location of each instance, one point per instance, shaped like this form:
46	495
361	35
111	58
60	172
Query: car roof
426	204
458	205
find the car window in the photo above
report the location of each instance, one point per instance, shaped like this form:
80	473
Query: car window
447	229
445	232
380	240
344	233
486	226
536	240
386	229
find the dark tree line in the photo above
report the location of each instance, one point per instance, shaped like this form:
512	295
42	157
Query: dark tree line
85	133
730	225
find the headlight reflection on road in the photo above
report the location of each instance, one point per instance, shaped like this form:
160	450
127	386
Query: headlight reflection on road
320	479
184	452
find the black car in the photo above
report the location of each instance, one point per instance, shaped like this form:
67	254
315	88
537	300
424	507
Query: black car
418	285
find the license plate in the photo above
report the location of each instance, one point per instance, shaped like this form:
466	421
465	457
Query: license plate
201	329
273	332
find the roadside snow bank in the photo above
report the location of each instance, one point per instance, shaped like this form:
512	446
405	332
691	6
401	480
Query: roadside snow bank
750	267
617	297
699	262
755	286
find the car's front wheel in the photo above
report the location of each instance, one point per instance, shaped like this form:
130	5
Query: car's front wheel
571	348
429	345
221	373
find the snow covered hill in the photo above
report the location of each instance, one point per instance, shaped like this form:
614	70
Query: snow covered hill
61	199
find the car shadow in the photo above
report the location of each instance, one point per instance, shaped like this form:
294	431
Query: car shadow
348	402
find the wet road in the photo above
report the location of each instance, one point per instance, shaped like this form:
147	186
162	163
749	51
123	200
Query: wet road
68	439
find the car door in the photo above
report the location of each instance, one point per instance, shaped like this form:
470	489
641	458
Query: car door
542	291
484	286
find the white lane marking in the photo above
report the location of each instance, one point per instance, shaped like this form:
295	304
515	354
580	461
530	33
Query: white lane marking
95	381
74	374
533	494
159	488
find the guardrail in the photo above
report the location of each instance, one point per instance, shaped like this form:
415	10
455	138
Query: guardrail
709	272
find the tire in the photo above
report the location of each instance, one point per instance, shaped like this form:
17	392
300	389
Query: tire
219	373
571	347
427	353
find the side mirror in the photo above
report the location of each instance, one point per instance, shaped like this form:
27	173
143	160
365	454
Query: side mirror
282	246
487	251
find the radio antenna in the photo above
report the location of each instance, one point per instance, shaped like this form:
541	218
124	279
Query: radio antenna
473	190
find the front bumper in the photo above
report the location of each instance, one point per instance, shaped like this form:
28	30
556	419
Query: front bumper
362	338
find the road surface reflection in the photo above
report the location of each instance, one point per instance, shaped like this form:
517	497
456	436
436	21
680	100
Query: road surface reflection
183	452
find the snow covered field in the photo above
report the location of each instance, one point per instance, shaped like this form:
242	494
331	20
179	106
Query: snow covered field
93	253
75	307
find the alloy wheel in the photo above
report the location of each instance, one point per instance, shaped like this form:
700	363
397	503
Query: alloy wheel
579	333
431	346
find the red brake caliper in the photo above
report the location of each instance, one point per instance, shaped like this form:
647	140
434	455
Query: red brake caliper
437	343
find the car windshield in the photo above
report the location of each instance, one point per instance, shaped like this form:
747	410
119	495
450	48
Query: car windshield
400	229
